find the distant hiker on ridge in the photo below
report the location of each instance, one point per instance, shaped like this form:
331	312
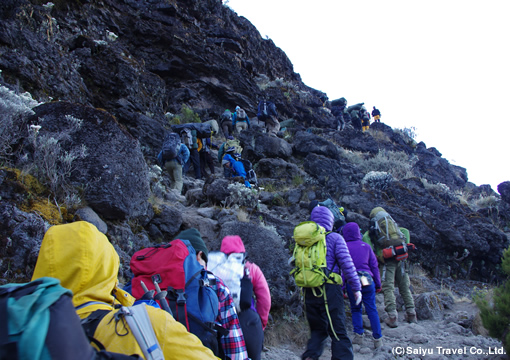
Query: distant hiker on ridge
376	114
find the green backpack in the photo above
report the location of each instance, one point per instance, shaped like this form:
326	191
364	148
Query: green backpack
310	256
387	230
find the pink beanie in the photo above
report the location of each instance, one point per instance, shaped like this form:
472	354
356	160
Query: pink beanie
232	244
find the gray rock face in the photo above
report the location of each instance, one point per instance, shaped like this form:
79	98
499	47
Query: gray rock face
114	172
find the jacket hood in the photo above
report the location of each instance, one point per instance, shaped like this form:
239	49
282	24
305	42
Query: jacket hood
323	216
230	159
232	244
84	261
375	211
351	232
195	239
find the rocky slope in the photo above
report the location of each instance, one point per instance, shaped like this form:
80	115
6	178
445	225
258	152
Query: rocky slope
120	68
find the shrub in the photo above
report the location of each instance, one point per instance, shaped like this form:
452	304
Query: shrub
408	134
495	309
14	112
52	165
186	116
396	163
240	195
377	180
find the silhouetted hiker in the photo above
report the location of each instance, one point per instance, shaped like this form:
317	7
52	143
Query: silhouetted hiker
376	114
338	110
365	119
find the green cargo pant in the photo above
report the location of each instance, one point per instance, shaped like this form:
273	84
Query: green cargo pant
175	171
394	272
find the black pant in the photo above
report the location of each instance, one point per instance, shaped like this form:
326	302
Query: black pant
195	159
206	159
252	332
320	326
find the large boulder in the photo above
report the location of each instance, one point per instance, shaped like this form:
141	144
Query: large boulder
265	248
113	174
305	143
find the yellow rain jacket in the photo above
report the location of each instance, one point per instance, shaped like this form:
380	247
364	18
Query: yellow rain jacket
85	262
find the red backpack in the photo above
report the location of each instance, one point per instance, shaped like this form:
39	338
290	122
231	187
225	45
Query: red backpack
191	292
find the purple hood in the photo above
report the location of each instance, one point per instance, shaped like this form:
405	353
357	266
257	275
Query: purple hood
337	254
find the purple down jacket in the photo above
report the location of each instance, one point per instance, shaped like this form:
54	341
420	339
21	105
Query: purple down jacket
337	255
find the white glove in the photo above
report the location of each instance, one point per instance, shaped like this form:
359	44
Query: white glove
357	296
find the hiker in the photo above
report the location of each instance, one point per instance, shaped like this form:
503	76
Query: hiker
365	119
173	165
92	277
204	151
393	271
233	168
355	112
366	265
329	318
240	121
233	344
226	123
190	139
376	114
266	112
338	110
231	146
244	280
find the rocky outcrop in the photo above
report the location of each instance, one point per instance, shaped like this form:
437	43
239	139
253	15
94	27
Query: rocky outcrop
119	66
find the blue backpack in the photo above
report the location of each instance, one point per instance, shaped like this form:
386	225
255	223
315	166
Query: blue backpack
39	322
191	290
339	218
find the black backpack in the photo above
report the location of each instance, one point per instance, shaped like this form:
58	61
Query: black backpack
171	146
38	321
250	173
266	109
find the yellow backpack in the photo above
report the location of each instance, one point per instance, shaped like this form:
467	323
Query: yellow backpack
310	256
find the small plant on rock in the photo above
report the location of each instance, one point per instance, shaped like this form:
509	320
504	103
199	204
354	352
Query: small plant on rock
240	195
14	111
495	309
377	180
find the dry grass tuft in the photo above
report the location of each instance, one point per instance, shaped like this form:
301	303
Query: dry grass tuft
287	329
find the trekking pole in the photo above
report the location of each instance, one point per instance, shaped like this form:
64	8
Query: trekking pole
148	294
161	296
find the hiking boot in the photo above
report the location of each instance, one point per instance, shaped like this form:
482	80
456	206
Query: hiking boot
377	343
411	318
392	319
358	338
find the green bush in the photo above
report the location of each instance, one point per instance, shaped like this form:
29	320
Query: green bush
186	116
495	310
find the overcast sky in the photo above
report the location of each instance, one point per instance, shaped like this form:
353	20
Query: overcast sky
442	66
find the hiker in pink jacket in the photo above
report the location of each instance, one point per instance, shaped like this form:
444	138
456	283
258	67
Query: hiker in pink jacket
252	323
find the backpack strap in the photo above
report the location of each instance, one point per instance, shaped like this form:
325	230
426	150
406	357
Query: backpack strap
90	324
